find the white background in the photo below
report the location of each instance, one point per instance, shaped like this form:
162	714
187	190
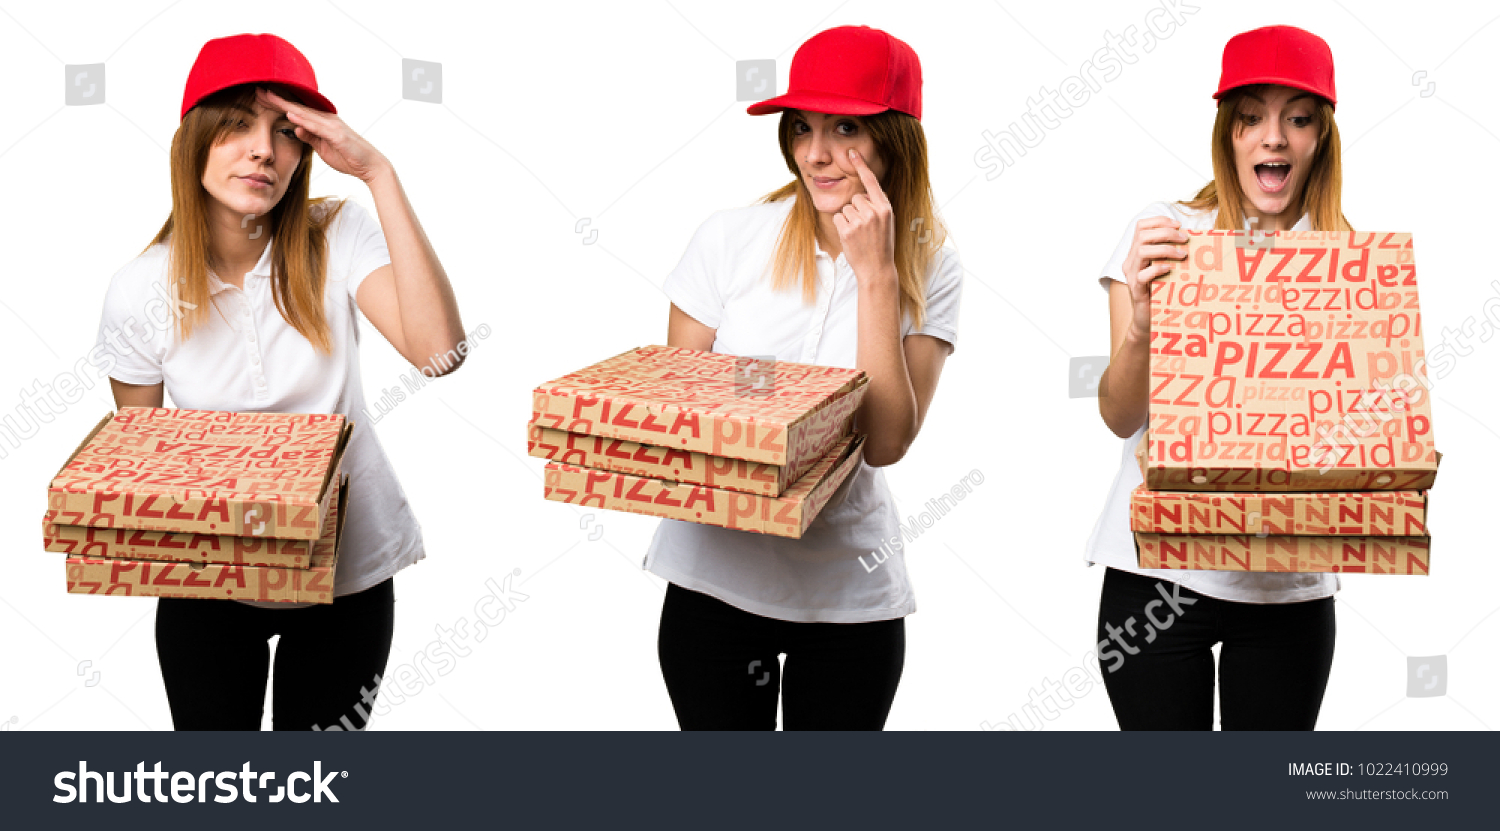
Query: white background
625	114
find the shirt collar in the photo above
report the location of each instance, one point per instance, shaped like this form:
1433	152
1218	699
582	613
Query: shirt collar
262	269
817	249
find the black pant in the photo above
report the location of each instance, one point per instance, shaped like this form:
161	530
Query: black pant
215	654
1273	665
720	666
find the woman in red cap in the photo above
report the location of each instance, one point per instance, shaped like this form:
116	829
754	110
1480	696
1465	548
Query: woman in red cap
263	285
1275	151
843	266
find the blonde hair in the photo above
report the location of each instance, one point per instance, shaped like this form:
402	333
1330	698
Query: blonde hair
920	234
298	226
1321	195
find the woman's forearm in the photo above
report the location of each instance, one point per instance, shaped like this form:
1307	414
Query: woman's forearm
430	323
1125	385
888	414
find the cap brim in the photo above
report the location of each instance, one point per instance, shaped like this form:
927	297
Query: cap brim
308	97
1279	81
818	102
311	97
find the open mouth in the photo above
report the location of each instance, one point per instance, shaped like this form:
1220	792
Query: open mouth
1272	175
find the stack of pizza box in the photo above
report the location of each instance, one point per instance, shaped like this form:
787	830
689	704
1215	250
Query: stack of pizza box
167	502
746	443
1290	420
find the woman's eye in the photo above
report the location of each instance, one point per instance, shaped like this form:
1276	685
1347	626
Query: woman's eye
289	131
848	128
1301	120
1249	120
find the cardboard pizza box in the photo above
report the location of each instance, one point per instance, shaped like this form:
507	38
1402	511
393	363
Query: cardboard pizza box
656	462
1290	361
1342	555
1201	480
221	581
773	412
139	544
1351	514
788	515
204	472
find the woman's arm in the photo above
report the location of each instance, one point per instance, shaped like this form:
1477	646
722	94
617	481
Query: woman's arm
685	332
137	395
903	371
1124	387
903	374
896	404
409	301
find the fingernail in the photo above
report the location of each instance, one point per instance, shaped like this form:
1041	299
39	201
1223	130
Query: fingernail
851	153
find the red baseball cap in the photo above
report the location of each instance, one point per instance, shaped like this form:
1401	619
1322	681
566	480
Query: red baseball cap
251	59
851	70
1282	55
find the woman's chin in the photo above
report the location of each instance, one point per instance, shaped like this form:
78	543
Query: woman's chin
248	207
1272	206
829	204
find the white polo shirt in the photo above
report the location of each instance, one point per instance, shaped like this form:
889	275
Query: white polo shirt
1112	543
246	358
723	283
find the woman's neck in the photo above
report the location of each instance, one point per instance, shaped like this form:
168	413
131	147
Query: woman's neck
828	237
236	243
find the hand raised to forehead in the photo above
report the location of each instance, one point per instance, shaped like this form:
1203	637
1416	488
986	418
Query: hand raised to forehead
334	141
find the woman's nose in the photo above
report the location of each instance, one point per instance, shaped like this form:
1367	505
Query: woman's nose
817	150
261	145
1274	136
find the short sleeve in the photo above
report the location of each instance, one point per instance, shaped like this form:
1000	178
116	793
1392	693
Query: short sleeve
125	348
1114	269
693	286
356	245
944	290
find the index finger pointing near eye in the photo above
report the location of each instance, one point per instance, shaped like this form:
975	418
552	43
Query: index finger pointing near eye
866	175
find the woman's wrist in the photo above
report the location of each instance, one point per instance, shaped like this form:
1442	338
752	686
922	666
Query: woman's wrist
383	171
884	278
